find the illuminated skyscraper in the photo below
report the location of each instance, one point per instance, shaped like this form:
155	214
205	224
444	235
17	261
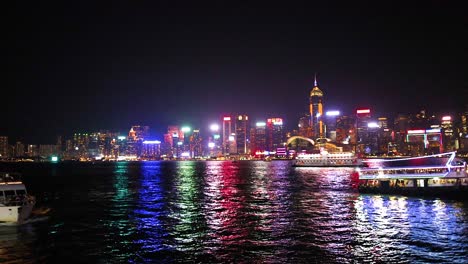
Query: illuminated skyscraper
316	110
304	128
195	144
346	131
80	144
258	139
242	128
330	123
274	133
448	133
363	116
227	132
138	132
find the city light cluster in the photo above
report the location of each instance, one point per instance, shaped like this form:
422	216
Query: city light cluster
237	136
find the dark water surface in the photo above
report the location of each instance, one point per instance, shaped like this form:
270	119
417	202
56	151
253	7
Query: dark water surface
225	212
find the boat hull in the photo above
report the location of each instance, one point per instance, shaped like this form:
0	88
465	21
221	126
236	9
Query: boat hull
446	191
16	214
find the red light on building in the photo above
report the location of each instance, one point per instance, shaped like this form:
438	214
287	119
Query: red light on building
275	121
363	111
417	131
227	118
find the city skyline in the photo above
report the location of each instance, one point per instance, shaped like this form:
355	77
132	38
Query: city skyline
81	67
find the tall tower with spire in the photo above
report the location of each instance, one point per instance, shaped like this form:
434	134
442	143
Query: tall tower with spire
316	110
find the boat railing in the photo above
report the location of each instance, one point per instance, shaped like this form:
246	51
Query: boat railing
17	200
9	177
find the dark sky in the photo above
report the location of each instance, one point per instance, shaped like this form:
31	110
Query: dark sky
77	66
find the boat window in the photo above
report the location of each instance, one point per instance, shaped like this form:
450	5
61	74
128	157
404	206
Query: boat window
10	193
20	192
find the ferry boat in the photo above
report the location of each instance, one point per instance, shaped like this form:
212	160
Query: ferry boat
426	175
326	159
16	204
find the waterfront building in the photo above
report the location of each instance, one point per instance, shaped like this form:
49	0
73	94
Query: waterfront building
363	116
196	150
173	140
304	128
81	145
258	139
372	138
138	132
346	131
274	134
401	126
448	133
214	145
48	151
241	131
19	149
4	146
32	151
227	132
151	149
316	110
330	124
386	137
424	141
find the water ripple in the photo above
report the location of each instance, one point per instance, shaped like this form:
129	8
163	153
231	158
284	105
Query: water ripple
226	212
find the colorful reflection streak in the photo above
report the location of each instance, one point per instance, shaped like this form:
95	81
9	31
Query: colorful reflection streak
150	214
322	210
188	230
119	227
224	202
392	228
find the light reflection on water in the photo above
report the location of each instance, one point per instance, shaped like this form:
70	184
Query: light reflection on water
226	212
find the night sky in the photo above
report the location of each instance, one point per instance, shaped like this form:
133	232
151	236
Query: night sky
77	66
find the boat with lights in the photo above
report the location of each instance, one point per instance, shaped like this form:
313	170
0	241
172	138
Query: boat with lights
16	204
327	159
426	175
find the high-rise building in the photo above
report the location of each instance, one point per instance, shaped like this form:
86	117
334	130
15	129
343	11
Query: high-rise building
363	116
151	149
242	128
227	132
304	128
4	147
258	139
402	125
448	133
196	150
274	134
173	141
19	149
316	110
138	132
345	130
330	124
48	150
33	151
81	144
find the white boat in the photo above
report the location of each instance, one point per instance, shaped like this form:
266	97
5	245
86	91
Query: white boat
326	159
431	174
16	204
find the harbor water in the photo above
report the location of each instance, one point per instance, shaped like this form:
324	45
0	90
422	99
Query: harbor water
225	212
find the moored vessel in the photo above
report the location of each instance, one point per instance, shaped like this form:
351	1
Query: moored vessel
439	174
15	203
326	159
